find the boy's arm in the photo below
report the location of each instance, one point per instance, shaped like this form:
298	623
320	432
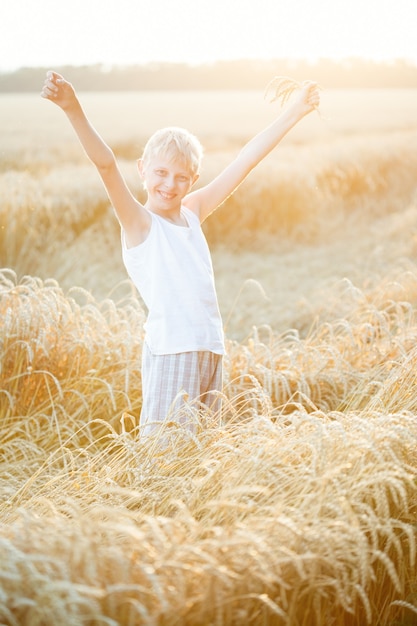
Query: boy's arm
205	200
132	216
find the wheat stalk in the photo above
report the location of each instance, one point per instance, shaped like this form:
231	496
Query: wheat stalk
281	88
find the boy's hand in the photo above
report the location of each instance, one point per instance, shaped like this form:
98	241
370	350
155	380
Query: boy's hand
306	95
309	97
58	90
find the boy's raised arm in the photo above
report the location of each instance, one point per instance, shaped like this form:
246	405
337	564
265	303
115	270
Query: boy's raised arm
130	212
208	198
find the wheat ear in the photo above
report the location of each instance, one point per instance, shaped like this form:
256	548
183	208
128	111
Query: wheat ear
281	88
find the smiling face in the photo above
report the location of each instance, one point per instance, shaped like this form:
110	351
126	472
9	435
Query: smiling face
167	182
169	167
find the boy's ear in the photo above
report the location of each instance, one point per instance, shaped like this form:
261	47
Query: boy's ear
195	179
139	163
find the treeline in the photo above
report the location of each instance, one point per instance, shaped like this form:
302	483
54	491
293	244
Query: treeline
241	74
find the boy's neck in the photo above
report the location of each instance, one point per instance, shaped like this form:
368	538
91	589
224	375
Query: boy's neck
174	216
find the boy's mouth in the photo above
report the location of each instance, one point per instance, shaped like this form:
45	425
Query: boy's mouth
166	196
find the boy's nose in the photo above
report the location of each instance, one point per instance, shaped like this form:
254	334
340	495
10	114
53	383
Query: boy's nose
170	182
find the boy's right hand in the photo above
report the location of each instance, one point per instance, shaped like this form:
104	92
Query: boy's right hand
58	90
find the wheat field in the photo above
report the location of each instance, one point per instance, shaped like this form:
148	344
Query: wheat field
297	505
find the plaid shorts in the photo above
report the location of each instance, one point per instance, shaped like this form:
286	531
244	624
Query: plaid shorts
176	384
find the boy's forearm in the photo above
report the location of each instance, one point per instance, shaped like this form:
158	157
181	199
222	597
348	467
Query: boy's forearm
265	141
96	149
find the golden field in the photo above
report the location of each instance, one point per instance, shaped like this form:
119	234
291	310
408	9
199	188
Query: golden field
296	506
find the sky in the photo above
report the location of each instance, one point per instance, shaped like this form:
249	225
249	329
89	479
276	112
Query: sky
50	33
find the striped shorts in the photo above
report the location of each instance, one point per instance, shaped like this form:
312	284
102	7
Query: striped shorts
175	385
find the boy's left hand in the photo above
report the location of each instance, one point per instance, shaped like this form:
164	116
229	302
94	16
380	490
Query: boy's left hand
309	97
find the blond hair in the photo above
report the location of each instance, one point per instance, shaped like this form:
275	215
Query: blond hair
174	143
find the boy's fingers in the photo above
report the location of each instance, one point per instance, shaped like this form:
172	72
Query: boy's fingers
54	77
51	84
47	92
51	75
50	88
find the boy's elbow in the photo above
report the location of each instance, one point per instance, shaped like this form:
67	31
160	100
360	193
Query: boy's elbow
106	162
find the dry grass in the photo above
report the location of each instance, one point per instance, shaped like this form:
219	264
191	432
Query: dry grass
294	507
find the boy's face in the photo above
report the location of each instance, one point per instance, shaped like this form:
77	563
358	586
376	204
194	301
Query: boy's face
167	182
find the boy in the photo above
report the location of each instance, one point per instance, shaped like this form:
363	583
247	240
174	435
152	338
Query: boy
165	252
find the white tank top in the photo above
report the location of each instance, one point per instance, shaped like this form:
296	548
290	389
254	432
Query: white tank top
173	272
